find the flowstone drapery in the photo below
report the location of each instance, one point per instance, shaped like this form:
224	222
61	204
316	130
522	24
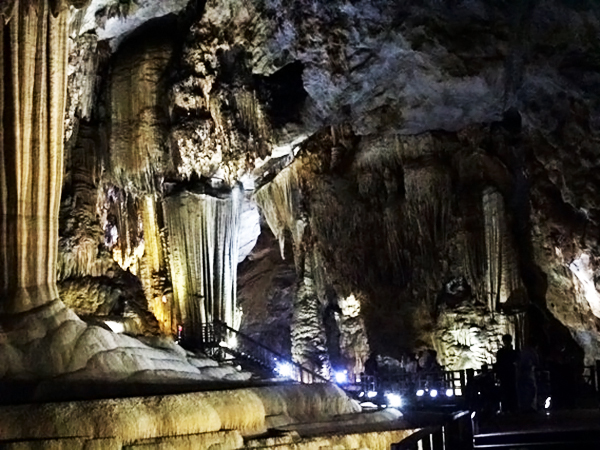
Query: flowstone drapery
203	240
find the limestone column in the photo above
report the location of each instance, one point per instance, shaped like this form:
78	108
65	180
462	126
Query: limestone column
33	65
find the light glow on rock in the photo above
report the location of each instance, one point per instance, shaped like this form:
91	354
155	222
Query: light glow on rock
394	400
284	370
116	327
584	273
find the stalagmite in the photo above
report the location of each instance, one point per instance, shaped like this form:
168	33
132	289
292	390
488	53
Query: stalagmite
309	346
353	337
279	202
203	241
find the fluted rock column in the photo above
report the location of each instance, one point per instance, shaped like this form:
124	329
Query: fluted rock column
33	63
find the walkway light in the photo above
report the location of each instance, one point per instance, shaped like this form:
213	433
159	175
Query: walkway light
341	377
433	393
394	400
449	392
284	370
420	393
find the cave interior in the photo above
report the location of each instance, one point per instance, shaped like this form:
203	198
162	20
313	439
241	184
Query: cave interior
331	179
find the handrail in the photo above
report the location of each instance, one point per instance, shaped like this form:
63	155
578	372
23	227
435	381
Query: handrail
266	356
455	433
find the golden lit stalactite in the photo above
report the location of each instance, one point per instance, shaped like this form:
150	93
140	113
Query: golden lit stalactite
136	140
203	241
279	203
32	104
153	270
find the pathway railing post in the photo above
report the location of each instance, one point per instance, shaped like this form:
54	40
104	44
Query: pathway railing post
462	382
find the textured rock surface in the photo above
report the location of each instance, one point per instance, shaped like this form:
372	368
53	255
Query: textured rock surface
431	143
53	343
247	411
280	417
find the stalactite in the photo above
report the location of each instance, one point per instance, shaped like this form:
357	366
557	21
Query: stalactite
426	227
474	263
125	210
502	276
137	140
153	270
203	241
33	59
279	203
81	233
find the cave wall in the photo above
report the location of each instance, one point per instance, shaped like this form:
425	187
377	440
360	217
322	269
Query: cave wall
443	161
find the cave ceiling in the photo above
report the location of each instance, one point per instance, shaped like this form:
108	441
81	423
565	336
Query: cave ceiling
424	171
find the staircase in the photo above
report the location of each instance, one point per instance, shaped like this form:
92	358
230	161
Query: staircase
220	341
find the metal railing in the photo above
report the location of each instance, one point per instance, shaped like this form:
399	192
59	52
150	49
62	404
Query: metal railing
455	434
217	338
450	382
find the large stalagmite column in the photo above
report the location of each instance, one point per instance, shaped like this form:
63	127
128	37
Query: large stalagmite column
33	61
280	204
309	341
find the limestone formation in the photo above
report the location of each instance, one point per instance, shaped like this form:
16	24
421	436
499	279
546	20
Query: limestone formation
203	242
41	338
435	164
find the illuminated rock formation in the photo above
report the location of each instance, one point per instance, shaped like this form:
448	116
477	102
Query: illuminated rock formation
41	338
203	242
396	160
